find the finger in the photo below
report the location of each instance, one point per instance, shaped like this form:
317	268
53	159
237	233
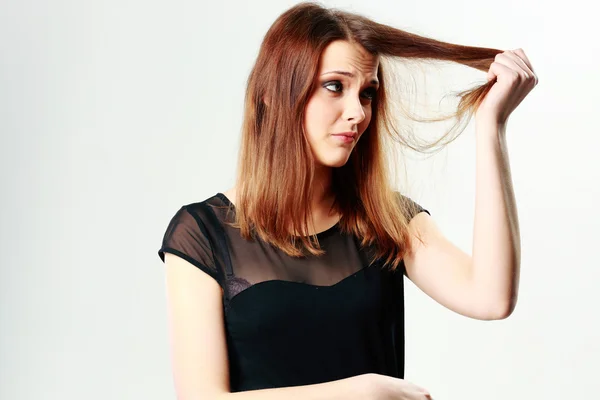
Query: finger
498	68
528	74
422	391
521	54
520	62
515	63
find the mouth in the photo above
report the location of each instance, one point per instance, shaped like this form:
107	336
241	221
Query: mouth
346	137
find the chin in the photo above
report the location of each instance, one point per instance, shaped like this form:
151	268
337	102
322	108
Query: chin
335	162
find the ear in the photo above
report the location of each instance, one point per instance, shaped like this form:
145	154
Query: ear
266	100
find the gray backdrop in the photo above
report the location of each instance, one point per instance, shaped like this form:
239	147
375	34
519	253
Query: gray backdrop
113	114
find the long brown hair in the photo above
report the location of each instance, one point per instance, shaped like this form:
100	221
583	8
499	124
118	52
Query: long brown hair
276	166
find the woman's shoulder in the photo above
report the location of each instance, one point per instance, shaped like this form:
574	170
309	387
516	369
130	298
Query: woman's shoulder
216	200
214	210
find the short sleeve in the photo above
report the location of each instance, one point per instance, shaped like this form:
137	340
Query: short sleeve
187	238
410	207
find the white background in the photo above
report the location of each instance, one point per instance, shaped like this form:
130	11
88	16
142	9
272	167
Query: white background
113	114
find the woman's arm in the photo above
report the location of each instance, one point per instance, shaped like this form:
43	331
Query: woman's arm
496	237
483	286
361	387
353	388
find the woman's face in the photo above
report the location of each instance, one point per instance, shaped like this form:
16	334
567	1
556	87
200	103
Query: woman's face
341	102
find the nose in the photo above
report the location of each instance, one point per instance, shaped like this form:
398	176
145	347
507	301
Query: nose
353	110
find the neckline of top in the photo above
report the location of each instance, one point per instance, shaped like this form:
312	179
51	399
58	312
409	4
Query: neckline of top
327	232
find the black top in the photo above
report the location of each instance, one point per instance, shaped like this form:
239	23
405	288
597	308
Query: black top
294	321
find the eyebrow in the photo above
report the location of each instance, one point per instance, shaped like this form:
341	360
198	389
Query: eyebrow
350	75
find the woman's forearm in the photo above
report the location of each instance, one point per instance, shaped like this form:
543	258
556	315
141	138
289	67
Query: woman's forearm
496	238
353	388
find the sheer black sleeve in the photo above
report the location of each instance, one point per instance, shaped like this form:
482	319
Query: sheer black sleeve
187	238
410	207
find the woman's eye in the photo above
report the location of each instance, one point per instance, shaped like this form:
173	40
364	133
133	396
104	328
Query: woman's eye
370	93
338	84
337	87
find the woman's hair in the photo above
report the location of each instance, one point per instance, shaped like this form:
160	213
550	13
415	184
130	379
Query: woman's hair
276	165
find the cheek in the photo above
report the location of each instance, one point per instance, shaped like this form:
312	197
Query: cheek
365	123
319	115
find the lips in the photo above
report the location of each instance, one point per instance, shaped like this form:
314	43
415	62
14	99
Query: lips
351	135
347	137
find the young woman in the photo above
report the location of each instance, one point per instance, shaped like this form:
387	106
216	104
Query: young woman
290	284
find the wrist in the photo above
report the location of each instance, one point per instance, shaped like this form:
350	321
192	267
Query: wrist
489	128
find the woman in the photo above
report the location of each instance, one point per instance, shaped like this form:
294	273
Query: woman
290	284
